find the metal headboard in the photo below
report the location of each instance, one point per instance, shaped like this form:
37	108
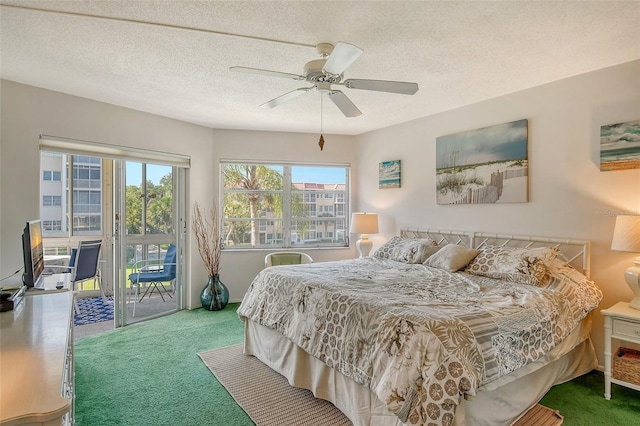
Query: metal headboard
576	252
442	237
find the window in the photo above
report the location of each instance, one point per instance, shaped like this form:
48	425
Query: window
71	206
51	200
51	225
284	205
51	175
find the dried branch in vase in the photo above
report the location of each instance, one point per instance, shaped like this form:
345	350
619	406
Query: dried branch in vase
207	229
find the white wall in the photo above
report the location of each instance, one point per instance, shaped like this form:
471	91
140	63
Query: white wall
568	195
27	112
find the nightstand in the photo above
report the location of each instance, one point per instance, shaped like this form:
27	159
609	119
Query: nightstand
622	323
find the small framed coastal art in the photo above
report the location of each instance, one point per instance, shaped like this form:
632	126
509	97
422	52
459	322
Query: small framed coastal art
483	166
620	146
389	174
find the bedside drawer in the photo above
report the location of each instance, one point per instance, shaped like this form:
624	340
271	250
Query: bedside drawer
627	329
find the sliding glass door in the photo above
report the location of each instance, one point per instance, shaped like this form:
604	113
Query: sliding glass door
149	210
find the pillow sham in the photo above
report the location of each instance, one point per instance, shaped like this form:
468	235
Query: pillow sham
523	265
451	257
407	250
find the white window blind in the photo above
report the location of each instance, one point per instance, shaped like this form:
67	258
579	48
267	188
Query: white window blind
116	152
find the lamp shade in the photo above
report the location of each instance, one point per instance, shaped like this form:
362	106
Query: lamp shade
626	234
364	223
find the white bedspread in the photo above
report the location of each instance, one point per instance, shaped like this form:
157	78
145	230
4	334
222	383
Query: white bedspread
420	338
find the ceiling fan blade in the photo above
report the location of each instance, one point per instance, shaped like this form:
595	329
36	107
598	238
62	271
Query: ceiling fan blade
344	103
343	55
267	72
285	98
401	87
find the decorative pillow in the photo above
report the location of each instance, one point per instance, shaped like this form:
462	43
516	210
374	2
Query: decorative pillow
425	251
524	265
451	257
403	249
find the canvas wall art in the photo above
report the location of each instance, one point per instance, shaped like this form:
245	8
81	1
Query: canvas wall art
488	165
620	146
389	174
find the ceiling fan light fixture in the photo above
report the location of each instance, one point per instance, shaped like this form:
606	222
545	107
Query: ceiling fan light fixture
323	87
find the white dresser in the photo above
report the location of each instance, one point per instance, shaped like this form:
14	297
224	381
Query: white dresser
36	361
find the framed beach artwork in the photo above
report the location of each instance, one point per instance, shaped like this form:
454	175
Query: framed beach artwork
389	174
481	166
620	146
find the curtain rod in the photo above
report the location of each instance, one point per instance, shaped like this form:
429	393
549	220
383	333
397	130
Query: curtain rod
156	24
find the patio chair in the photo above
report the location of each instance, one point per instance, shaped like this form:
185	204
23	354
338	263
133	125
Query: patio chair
83	266
153	275
286	258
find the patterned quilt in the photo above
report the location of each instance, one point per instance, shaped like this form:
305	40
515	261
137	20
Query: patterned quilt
420	338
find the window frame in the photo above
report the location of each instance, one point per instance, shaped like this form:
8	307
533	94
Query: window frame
288	223
69	200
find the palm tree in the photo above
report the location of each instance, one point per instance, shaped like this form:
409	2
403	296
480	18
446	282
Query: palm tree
256	179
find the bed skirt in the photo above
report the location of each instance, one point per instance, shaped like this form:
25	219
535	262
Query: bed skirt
501	402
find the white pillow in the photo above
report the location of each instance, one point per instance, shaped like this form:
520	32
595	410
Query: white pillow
406	250
451	257
424	252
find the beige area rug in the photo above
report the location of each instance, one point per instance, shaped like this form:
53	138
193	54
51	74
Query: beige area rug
266	396
270	401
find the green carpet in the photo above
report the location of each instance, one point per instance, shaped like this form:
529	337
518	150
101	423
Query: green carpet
581	402
150	374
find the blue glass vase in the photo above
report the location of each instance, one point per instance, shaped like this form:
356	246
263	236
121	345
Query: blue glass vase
215	295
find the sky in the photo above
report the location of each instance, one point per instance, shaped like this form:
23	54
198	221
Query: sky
496	143
318	175
154	173
300	174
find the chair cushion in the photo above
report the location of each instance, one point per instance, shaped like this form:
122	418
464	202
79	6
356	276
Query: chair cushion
87	260
286	259
170	257
148	277
167	273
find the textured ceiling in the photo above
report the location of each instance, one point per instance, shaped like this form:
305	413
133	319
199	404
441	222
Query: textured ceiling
458	52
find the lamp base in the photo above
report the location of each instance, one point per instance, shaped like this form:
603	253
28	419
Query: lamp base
632	277
364	245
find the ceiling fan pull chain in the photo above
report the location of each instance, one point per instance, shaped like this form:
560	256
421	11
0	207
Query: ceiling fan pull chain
321	141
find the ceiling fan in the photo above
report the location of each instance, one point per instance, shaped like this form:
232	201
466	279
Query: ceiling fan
328	71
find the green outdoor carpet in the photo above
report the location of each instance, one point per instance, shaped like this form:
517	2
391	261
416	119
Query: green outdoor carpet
150	374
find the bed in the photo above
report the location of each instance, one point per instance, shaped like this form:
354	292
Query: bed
438	327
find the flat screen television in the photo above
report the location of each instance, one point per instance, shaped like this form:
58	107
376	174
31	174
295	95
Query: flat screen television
33	254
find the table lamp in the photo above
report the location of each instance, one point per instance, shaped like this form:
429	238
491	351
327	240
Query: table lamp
626	237
364	224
